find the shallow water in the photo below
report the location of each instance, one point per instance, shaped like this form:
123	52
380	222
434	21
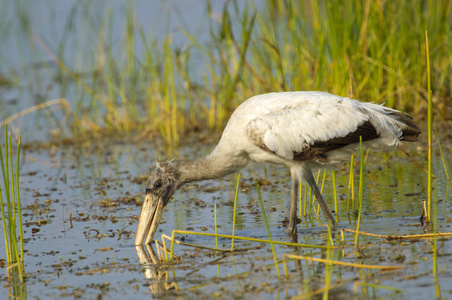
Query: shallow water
81	210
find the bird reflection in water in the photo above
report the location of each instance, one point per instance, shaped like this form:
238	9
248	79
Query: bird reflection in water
153	270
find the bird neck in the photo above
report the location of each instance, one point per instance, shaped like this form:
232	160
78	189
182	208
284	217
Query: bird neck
210	167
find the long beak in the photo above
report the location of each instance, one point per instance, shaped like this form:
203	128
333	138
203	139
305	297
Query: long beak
151	213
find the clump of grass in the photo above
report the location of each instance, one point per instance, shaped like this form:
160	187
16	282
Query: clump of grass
12	217
146	86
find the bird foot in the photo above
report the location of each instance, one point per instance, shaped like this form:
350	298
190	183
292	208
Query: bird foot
293	236
291	230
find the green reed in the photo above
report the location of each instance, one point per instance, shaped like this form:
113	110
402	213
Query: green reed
351	187
144	85
236	196
300	197
305	198
333	175
261	204
430	133
435	251
329	266
216	241
432	205
12	217
215	223
441	152
360	188
249	239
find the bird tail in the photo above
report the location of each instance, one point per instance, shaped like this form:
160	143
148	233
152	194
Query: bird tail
410	132
392	125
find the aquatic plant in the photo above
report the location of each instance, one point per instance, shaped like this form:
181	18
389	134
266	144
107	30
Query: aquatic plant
329	265
430	133
360	188
442	154
432	205
336	210
12	217
351	187
261	204
149	86
236	196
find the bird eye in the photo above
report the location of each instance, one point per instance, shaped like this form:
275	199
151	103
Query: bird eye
158	184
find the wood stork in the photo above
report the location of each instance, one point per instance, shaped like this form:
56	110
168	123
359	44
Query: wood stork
302	130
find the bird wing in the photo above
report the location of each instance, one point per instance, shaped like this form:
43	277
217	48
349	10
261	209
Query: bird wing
308	129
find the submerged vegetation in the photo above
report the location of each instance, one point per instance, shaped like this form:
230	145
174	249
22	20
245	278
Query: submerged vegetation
372	50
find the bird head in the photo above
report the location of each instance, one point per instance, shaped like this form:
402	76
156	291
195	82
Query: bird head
160	186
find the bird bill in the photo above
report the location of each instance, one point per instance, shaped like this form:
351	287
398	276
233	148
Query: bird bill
151	213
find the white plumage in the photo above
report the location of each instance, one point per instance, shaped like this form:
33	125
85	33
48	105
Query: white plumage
301	130
288	122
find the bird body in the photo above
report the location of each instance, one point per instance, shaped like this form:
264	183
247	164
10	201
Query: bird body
302	130
290	122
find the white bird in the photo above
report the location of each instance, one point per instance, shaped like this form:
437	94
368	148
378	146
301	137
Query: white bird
302	130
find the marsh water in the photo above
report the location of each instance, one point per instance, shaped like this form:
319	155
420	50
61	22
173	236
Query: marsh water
81	205
81	200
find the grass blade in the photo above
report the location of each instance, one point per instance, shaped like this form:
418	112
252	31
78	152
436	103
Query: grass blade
11	188
216	231
235	209
267	226
442	155
19	212
4	217
333	174
430	122
361	180
351	187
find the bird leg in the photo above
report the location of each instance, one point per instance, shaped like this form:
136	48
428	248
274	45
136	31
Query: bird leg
326	211
292	228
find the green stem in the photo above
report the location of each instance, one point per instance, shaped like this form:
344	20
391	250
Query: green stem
216	231
5	232
430	121
235	209
351	188
361	180
442	155
268	227
333	174
19	212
